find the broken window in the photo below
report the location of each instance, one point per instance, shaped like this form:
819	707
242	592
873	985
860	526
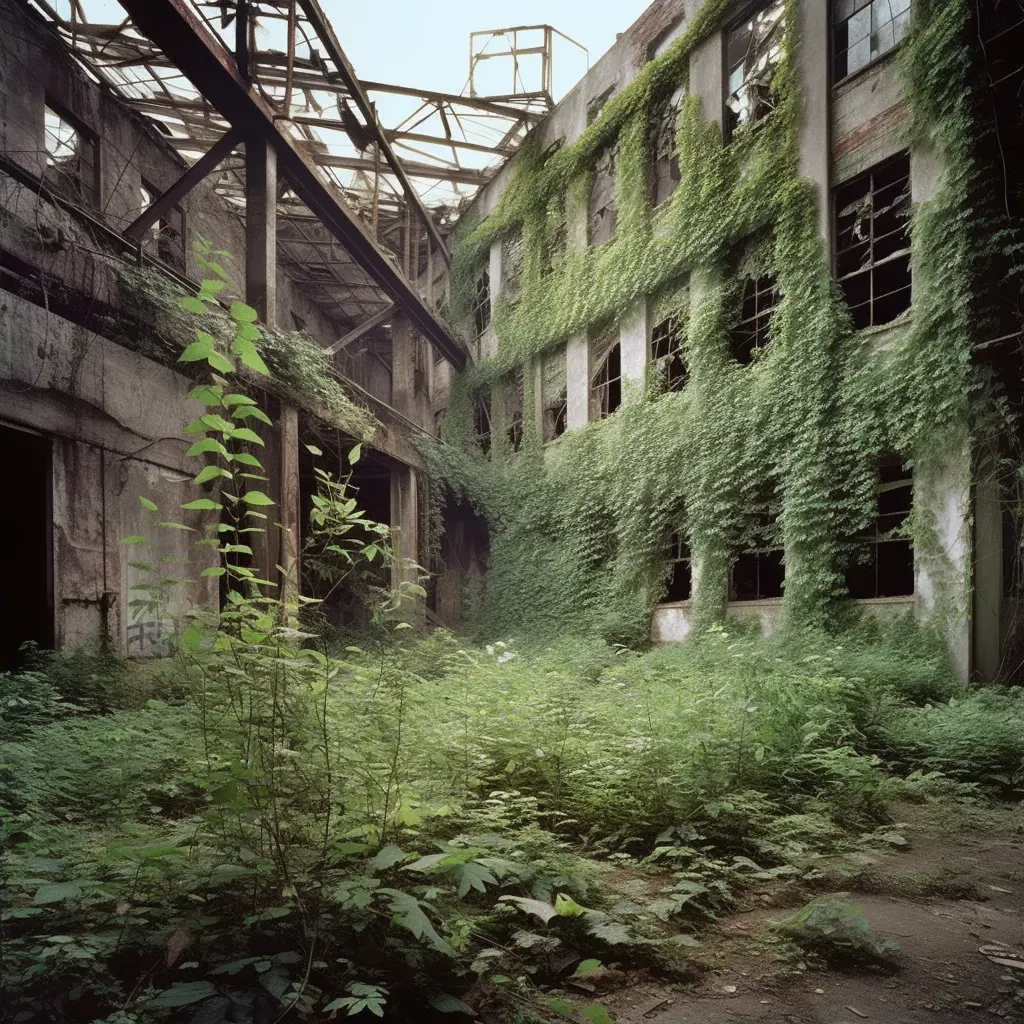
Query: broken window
439	417
680	570
753	52
512	257
554	393
601	213
481	302
883	564
665	163
482	423
167	236
865	30
598	103
873	242
753	332
420	359
556	233
72	156
513	393
757	572
606	382
667	352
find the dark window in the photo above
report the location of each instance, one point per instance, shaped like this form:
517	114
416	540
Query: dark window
511	264
26	583
439	420
757	571
680	570
598	103
606	383
420	359
753	332
665	162
753	52
866	29
554	394
556	233
601	214
883	563
873	242
482	423
72	156
167	236
667	351
482	302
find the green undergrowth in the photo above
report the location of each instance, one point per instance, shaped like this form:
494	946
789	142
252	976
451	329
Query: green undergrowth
436	825
579	528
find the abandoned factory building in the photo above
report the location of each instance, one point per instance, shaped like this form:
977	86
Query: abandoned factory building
722	282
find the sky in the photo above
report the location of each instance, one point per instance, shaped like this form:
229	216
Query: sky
426	43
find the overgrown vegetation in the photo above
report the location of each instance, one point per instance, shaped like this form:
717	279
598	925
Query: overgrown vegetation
579	531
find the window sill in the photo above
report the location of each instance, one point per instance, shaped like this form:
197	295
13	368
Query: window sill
869	333
755	602
685	605
903	599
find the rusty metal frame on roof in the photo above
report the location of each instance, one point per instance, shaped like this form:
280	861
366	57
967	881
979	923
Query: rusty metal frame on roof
351	229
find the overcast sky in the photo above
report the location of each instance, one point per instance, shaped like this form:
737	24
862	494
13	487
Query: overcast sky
427	43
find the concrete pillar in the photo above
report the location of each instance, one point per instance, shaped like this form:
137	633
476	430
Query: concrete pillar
403	385
815	126
261	294
988	571
405	529
634	335
577	377
942	495
707	71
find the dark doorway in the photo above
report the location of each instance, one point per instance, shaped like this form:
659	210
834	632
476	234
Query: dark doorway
26	524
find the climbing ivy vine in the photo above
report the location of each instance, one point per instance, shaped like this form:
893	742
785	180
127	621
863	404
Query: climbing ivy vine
579	528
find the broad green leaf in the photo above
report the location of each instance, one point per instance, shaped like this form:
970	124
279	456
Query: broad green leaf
195	352
256	498
235	399
208	473
596	1014
219	362
208	444
586	967
175	526
133	540
473	876
387	857
313	450
215	422
192	304
184	994
146	503
246	459
246	412
445	1003
246	351
247	332
545	911
566	906
245	434
208	394
202	505
215	570
243	313
57	892
355	454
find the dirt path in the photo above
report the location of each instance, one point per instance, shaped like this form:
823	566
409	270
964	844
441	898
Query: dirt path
941	899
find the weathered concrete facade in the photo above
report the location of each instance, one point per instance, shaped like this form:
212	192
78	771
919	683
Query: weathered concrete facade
80	379
849	127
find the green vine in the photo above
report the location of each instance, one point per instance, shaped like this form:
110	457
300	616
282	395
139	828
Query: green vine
579	530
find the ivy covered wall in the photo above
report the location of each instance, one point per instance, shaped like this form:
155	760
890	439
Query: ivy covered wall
579	527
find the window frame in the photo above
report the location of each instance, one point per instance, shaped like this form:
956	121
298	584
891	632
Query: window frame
482	437
162	233
873	61
88	135
679	553
875	540
736	344
672	355
600	392
750	12
869	269
762	540
480	310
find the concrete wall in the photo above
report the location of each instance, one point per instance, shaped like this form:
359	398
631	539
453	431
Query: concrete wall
846	128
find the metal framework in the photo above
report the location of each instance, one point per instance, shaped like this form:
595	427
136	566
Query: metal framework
361	207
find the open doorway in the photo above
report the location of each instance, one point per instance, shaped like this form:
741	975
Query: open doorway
26	524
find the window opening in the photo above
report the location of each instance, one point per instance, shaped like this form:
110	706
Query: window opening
667	351
598	103
680	570
420	359
602	214
482	423
167	236
753	52
512	257
482	302
873	243
26	584
753	332
757	572
883	565
72	156
665	165
554	394
865	30
606	383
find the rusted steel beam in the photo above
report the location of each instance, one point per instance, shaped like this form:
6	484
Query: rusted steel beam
513	113
325	31
197	53
200	170
357	332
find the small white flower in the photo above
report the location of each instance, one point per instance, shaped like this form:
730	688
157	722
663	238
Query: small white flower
507	656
